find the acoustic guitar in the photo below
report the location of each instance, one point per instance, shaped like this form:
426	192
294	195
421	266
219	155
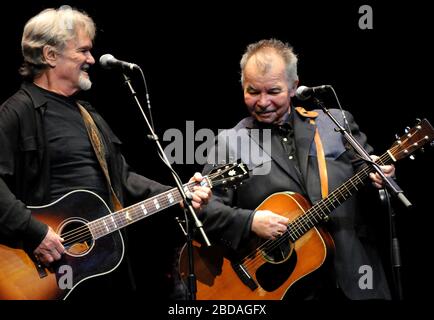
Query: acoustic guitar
274	266
93	243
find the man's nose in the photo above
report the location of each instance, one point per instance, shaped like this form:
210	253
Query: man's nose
263	100
90	59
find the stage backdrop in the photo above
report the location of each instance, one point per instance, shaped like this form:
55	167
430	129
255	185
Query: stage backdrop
190	56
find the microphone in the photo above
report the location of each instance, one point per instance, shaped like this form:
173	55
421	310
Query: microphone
107	61
304	93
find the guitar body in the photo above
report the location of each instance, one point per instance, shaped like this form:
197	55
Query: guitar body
92	241
275	266
20	276
273	272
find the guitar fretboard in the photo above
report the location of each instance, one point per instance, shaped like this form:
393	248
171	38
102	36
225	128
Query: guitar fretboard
129	215
321	210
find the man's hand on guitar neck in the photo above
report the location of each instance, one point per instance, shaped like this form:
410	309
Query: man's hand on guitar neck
50	249
389	171
201	194
269	225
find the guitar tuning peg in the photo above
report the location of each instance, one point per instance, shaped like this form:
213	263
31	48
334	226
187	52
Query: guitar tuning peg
407	129
422	149
396	136
418	121
412	157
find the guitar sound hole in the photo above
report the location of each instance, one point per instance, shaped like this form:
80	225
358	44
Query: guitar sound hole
281	259
278	250
77	236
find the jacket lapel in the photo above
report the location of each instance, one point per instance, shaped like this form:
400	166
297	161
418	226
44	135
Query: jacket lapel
304	134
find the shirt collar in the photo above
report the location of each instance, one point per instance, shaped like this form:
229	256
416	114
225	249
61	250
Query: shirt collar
37	94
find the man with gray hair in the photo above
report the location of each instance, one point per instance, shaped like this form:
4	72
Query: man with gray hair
298	141
52	144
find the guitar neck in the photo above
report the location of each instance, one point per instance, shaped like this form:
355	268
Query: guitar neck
136	212
227	175
321	210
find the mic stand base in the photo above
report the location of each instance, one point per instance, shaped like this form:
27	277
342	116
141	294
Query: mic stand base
191	278
395	252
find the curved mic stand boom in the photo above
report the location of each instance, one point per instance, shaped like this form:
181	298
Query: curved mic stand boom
389	185
186	198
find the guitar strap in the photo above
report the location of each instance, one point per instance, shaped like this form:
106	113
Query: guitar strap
98	147
322	167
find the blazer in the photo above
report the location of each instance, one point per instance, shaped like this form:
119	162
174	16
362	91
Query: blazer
227	218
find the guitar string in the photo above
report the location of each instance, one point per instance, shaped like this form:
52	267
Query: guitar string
84	233
74	233
275	243
304	219
344	186
72	236
99	225
292	232
272	244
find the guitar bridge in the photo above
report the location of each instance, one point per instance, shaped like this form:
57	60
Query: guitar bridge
41	269
244	276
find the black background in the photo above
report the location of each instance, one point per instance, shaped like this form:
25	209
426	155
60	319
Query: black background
190	56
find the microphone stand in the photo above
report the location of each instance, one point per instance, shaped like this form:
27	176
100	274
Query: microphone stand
395	253
389	183
186	198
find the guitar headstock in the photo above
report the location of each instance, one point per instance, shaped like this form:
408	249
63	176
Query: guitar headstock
229	175
414	139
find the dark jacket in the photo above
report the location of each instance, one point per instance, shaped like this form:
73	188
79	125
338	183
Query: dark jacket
227	218
25	166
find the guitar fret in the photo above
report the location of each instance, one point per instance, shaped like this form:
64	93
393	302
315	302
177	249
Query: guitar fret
354	185
145	212
170	198
150	206
320	207
113	221
128	216
122	218
331	202
117	220
308	225
156	204
324	207
105	224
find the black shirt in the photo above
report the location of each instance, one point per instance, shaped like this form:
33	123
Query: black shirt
283	142
73	163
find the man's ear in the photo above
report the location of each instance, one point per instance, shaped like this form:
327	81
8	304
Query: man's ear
294	87
50	55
